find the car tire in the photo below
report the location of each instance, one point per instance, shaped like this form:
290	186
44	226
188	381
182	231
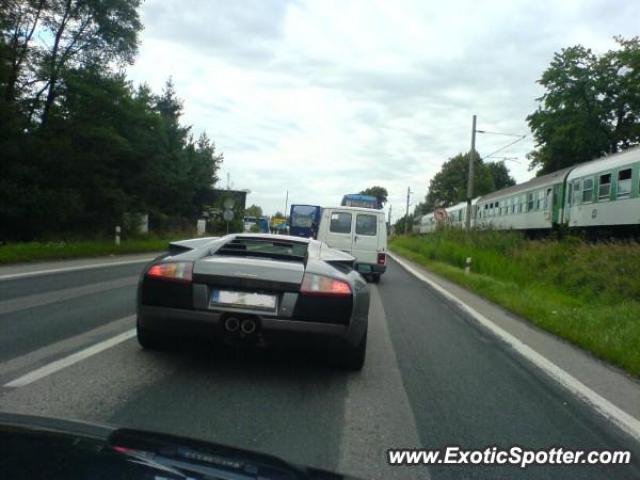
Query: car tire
352	359
150	340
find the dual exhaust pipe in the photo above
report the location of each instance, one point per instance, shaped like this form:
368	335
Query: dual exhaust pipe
246	326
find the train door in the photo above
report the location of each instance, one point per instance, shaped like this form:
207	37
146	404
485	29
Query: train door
548	204
558	199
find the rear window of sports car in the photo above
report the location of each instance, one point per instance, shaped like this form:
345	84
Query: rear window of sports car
265	248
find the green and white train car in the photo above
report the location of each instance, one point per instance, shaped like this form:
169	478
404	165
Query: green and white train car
605	192
425	224
457	214
600	196
533	205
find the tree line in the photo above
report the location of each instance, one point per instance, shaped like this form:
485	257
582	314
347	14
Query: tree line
83	149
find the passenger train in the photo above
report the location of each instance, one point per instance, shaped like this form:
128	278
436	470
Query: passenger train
603	194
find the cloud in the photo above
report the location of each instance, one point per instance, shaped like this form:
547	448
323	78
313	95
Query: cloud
324	98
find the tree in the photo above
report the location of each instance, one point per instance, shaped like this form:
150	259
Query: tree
253	211
449	185
500	175
109	149
379	192
103	148
402	222
591	106
71	34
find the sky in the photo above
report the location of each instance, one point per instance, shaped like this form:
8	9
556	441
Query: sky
324	98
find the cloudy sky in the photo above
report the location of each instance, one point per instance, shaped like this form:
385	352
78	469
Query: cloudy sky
323	98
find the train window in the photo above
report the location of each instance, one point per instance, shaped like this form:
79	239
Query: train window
539	199
546	199
530	202
604	189
624	183
576	192
587	192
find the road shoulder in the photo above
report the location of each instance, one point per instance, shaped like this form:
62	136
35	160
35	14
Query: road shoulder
614	385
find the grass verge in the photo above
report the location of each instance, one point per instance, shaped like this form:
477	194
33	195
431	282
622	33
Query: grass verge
58	250
587	294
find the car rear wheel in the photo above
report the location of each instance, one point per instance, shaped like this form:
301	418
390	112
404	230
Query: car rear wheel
151	340
352	359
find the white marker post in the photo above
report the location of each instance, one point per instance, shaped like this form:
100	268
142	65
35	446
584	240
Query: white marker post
117	235
467	266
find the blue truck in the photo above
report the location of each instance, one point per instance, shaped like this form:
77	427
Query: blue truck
304	220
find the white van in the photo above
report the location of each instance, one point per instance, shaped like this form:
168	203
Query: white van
362	232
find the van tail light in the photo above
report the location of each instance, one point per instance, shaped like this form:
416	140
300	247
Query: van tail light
382	258
175	271
319	285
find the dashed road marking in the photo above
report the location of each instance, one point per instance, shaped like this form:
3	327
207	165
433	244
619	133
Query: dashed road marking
65	362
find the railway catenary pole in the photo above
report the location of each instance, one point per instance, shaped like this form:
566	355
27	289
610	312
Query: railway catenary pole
470	179
286	204
406	218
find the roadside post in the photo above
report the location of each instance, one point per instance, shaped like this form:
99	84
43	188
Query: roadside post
467	266
117	239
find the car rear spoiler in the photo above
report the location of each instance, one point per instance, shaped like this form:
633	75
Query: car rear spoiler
190	244
337	257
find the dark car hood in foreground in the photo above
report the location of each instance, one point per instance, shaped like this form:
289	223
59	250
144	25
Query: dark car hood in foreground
39	447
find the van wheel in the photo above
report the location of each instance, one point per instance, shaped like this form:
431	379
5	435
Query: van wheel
375	278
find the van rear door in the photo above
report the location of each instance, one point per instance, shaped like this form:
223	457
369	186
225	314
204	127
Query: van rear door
338	229
365	238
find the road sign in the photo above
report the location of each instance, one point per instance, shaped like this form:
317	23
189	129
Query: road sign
228	203
228	215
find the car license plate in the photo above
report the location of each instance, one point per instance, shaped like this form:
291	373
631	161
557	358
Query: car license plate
243	299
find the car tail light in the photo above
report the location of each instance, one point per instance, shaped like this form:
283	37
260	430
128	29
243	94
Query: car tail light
382	258
176	271
320	285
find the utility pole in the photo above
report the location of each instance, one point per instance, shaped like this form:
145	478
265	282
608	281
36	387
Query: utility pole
472	155
286	204
406	218
389	218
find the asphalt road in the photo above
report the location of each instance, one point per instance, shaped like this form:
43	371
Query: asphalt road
433	378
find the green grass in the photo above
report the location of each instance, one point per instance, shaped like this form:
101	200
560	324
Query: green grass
54	250
586	293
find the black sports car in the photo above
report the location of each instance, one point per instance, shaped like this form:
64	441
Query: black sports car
256	289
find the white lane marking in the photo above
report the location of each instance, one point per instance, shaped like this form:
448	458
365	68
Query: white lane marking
12	276
58	349
619	417
57	296
70	360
